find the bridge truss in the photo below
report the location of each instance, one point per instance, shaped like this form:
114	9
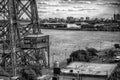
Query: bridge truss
21	42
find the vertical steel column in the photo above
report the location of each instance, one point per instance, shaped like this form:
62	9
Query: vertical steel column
34	20
13	32
48	53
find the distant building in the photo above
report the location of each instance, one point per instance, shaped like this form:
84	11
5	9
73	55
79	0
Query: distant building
70	19
82	18
117	17
87	18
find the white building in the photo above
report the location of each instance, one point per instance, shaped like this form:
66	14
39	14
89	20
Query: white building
73	26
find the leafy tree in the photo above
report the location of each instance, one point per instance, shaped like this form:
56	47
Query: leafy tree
79	55
91	51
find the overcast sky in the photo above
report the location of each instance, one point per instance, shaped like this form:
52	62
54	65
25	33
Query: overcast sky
78	8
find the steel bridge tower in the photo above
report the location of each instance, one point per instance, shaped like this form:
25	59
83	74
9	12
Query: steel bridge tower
21	42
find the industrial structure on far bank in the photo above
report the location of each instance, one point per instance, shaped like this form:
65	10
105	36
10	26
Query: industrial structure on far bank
25	54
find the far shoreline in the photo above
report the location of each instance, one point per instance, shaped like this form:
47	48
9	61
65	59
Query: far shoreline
66	29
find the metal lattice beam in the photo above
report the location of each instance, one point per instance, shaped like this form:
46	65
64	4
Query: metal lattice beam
13	29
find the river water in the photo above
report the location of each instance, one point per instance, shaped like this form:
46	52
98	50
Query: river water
63	42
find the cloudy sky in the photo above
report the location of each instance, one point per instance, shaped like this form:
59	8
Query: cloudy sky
78	8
